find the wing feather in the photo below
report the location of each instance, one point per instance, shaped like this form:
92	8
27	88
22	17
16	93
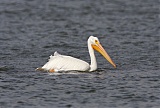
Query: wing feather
64	63
56	54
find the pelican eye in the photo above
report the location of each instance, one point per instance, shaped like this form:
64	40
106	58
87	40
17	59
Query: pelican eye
96	41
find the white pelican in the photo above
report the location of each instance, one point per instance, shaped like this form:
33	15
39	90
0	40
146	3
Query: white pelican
60	62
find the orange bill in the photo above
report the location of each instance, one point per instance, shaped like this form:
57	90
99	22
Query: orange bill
98	47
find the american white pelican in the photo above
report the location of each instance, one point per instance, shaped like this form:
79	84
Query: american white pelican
60	62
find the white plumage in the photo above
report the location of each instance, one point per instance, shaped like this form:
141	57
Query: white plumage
60	62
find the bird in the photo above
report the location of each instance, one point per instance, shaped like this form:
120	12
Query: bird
58	62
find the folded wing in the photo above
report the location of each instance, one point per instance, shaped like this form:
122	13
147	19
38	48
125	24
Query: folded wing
60	62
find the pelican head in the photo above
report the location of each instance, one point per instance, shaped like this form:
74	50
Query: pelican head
95	44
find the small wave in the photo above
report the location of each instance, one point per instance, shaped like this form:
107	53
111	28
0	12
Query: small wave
67	72
5	68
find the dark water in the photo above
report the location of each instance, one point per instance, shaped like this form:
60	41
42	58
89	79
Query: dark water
31	30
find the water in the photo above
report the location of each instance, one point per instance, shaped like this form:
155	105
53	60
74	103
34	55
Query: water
31	30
